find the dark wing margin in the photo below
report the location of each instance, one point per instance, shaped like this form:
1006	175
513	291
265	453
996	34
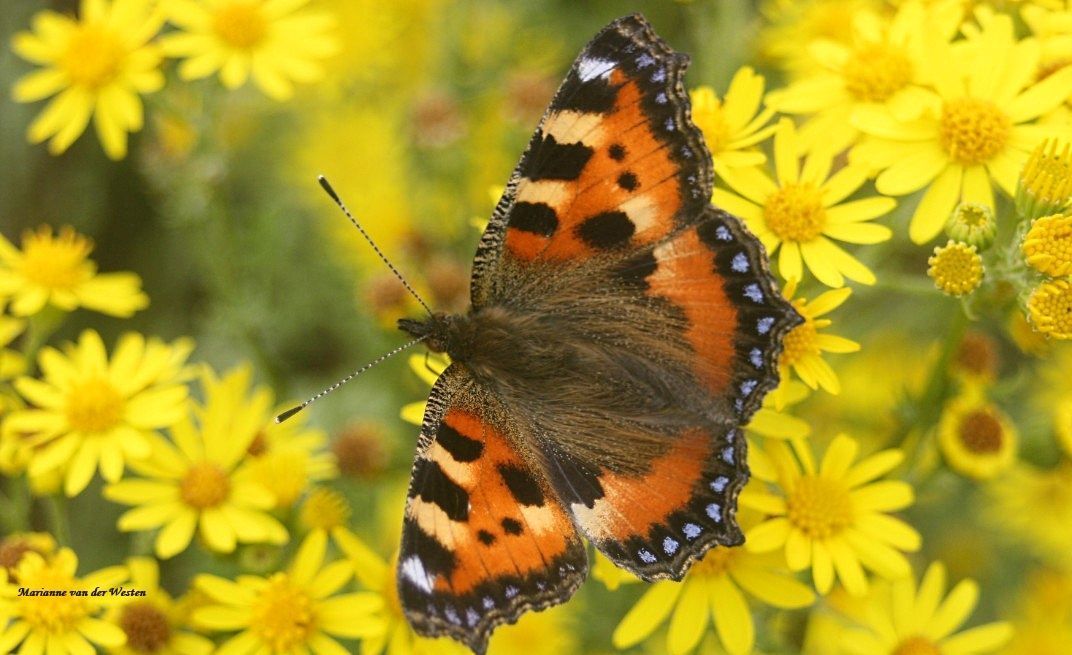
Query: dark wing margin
615	162
484	537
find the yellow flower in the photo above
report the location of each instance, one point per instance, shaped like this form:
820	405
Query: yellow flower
978	133
90	412
900	619
1033	507
611	575
14	546
1050	308
1047	246
977	439
734	125
56	271
155	624
1029	341
395	636
956	268
772	422
12	365
793	26
833	518
882	66
294	611
58	625
973	224
191	484
275	41
548	632
805	345
324	509
284	458
713	588
1045	185
99	64
803	211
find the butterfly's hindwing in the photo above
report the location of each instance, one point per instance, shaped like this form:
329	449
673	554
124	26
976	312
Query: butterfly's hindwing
485	538
657	522
615	163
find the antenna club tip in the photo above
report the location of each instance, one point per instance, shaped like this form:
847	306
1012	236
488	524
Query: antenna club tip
327	187
290	412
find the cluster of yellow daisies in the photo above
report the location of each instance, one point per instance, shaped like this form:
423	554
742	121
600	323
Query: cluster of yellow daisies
99	64
900	478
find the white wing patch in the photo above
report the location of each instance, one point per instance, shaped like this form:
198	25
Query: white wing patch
413	570
590	68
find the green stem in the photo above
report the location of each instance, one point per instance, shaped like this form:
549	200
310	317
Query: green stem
15	506
42	325
56	513
928	408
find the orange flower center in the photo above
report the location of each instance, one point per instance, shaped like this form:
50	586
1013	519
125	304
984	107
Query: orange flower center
819	507
282	615
973	131
93	58
240	24
146	627
916	646
94	407
980	432
795	213
875	72
55	263
205	486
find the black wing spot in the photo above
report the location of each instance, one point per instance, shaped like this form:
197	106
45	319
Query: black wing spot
557	161
460	447
596	96
485	537
606	230
510	526
535	217
438	488
617	152
522	485
433	555
628	181
635	272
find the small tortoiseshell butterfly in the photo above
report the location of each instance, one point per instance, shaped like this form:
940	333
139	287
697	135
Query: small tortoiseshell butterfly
621	332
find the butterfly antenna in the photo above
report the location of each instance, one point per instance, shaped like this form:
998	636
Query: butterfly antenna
294	410
334	196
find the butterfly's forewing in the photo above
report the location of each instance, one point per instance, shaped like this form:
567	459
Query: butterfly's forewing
614	164
658	522
485	538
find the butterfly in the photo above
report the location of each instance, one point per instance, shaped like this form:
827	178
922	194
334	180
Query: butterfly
621	332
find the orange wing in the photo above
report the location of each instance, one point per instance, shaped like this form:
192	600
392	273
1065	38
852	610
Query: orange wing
485	539
615	163
658	522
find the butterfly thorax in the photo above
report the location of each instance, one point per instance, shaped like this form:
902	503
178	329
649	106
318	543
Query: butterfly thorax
492	341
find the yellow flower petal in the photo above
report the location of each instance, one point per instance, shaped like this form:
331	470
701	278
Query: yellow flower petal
689	620
650	611
936	204
733	620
